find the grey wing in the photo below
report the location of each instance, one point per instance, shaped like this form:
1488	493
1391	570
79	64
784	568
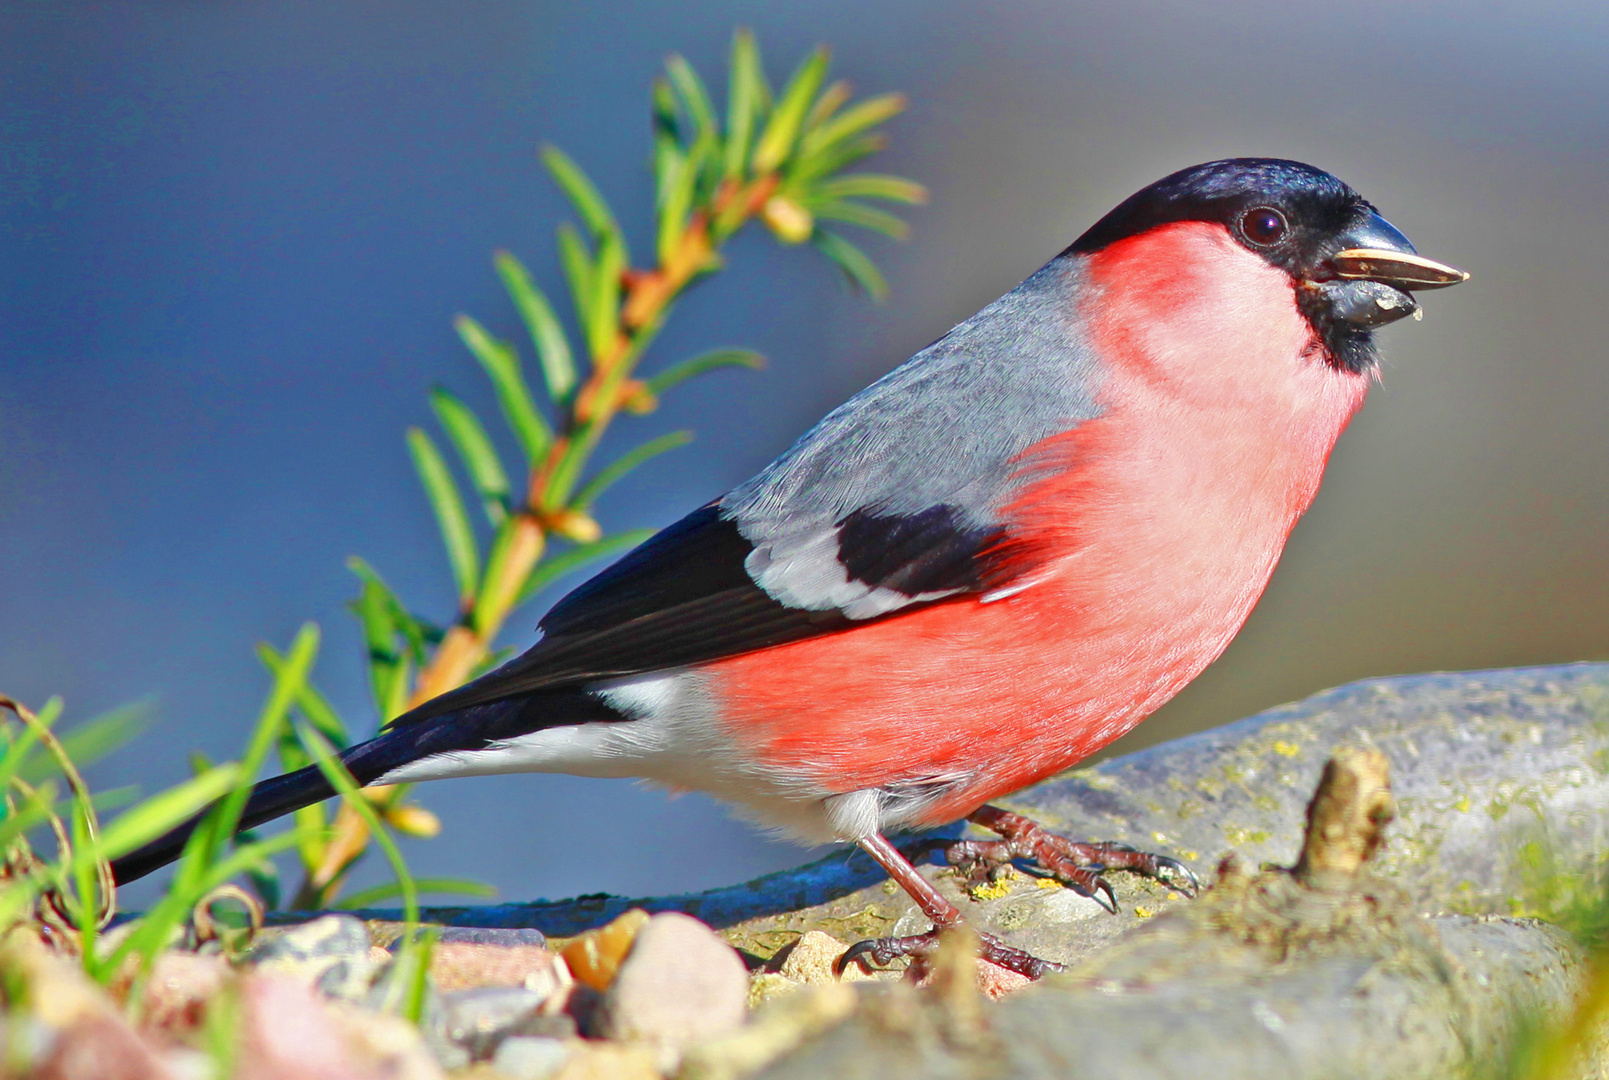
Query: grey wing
892	500
922	460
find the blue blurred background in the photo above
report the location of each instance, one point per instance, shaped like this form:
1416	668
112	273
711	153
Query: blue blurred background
233	237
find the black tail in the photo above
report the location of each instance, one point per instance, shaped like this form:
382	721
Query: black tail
367	762
467	728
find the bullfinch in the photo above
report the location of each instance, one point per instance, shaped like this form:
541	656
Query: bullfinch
979	570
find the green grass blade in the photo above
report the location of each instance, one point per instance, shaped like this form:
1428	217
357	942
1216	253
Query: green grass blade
442	886
804	171
86	884
489	610
95	738
871	186
243	858
412	954
690	90
666	113
552	345
856	265
867	217
782	132
52	710
34	811
674	196
213	835
456	535
744	101
829	102
20	750
288	682
575	558
502	365
480	461
312	704
698	365
165	810
579	272
380	640
858	118
603	325
600	221
626	462
415	631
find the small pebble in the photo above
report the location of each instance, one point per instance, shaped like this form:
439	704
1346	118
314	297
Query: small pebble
810	961
525	1057
179	988
479	1020
766	985
331	953
996	981
680	983
507	936
595	956
456	965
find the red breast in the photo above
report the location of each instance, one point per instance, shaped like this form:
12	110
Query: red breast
1147	538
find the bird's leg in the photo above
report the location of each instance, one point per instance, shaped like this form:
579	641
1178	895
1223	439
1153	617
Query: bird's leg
944	915
1077	865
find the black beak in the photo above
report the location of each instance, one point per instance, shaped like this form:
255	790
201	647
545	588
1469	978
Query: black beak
1376	268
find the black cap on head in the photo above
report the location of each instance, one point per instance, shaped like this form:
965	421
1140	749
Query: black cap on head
1350	268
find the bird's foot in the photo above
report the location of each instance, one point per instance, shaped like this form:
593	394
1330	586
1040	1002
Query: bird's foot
884	951
1078	865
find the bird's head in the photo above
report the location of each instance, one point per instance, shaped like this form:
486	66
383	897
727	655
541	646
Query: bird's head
1352	271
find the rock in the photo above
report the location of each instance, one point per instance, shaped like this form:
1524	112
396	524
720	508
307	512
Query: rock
100	1048
507	937
387	1043
479	1020
777	1029
287	1034
996	981
1324	970
524	1057
179	988
24	1041
331	953
605	1061
187	1063
456	965
595	956
1466	748
811	960
765	986
680	983
388	994
63	1023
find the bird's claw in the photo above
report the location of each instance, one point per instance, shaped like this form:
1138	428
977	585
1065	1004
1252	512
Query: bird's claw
884	951
1176	876
1079	866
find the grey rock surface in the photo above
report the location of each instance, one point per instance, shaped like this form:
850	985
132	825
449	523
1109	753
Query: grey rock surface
479	1020
1445	1006
332	953
526	1058
501	936
1485	765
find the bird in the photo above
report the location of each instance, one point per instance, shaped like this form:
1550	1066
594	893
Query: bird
978	571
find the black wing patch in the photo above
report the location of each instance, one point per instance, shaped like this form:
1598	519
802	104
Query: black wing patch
931	551
685	597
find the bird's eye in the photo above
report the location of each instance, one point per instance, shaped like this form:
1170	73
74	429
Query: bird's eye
1263	225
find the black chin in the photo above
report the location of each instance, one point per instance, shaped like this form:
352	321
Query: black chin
1344	314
